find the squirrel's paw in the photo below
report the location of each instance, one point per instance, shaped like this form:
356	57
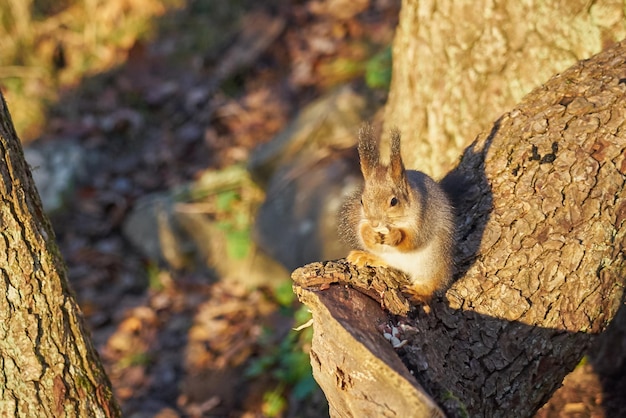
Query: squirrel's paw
385	236
363	258
393	238
419	293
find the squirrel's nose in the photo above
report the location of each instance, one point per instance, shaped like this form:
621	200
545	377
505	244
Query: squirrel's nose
375	224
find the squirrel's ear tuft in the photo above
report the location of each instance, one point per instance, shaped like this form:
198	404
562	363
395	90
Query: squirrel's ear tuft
368	150
395	160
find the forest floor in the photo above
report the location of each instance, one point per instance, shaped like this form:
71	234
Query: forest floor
174	108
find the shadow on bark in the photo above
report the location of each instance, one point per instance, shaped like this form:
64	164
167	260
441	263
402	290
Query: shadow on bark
470	193
608	358
496	358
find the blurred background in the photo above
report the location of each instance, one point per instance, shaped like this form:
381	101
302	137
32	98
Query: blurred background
155	129
191	153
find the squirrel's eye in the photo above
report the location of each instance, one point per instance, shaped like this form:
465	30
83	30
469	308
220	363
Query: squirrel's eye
361	201
393	202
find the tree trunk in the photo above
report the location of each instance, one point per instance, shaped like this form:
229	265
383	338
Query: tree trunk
48	365
541	265
457	67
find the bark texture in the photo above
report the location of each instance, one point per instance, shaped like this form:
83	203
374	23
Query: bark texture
356	359
48	365
541	263
457	67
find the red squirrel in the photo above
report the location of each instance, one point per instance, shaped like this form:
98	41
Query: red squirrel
401	219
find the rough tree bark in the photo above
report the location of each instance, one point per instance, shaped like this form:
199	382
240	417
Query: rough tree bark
457	67
541	266
48	365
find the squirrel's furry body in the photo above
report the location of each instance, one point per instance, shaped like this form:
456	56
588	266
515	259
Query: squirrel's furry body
401	219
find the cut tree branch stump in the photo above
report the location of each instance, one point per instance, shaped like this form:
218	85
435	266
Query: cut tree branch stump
356	359
541	268
382	285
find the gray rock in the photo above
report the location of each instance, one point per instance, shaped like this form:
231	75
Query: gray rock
297	223
152	229
56	169
329	123
309	169
252	268
175	229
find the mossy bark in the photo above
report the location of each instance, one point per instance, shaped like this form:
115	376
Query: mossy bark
48	365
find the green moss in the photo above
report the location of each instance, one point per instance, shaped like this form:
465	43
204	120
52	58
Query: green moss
288	363
378	70
459	406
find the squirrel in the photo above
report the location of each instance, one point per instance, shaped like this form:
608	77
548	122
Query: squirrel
401	219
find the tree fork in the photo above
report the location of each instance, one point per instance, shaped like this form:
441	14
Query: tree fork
48	365
540	262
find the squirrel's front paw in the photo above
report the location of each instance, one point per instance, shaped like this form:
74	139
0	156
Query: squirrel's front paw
384	236
369	236
363	258
420	293
393	237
